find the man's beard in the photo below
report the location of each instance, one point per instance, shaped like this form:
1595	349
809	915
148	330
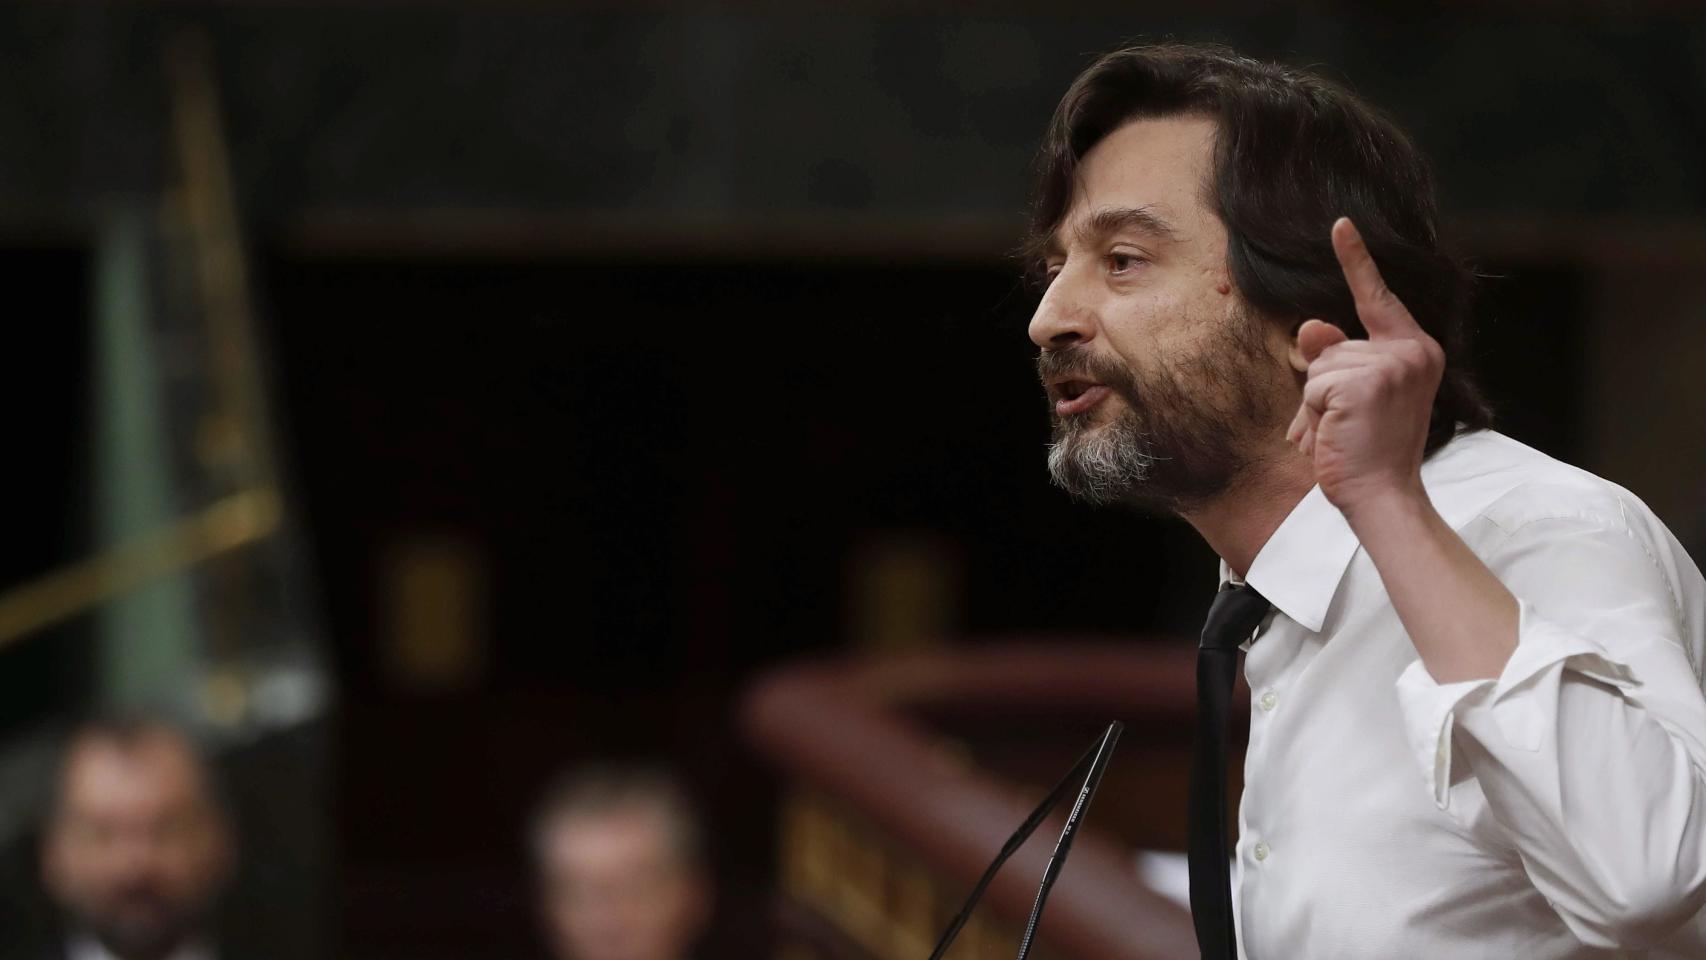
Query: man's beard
1186	432
163	929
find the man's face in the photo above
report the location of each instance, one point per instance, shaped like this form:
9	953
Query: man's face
1163	385
615	889
136	851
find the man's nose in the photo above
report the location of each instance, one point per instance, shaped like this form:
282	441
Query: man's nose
1061	320
136	850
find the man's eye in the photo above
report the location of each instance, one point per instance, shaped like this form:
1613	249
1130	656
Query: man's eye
1123	262
1045	275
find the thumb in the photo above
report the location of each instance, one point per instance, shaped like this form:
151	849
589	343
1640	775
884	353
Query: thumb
1315	336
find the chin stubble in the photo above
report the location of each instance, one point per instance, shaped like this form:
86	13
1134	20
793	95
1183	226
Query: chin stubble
1184	434
1101	467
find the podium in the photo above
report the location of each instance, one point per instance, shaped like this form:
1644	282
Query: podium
904	775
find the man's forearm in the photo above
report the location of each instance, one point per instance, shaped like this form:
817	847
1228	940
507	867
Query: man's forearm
1461	619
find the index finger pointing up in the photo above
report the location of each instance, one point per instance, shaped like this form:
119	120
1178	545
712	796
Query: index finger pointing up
1383	316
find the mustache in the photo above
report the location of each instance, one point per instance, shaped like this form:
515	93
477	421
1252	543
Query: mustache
1079	363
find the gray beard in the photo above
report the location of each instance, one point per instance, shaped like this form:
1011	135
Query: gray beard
1181	441
1186	431
1101	467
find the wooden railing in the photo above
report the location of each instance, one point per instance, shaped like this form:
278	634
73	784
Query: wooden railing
889	820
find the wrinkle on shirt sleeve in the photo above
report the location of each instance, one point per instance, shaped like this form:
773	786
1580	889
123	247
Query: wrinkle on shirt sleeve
1521	702
1589	747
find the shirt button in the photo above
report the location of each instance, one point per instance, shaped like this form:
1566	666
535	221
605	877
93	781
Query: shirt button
1261	852
1268	702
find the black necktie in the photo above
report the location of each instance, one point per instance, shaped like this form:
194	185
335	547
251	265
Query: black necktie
1237	612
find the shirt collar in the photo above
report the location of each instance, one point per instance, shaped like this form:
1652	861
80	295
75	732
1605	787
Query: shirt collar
83	946
1300	567
1298	570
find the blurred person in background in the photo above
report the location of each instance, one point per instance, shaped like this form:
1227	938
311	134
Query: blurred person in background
137	847
621	862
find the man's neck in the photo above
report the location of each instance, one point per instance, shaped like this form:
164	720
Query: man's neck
1239	522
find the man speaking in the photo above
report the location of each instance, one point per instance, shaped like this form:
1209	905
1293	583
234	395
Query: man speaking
1478	726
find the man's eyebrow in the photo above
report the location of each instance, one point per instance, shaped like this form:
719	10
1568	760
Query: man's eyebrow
1112	220
1105	222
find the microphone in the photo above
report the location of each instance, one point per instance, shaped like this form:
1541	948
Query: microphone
1095	760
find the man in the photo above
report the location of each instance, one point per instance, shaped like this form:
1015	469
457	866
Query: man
621	867
137	847
1478	727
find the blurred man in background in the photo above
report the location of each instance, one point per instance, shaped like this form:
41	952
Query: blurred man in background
137	846
621	866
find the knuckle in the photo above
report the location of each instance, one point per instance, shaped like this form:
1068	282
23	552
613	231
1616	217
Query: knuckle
1419	354
1386	379
1434	352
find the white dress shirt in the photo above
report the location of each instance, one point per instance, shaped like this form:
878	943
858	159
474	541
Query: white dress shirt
1558	811
84	947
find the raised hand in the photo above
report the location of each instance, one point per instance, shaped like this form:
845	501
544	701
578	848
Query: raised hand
1366	403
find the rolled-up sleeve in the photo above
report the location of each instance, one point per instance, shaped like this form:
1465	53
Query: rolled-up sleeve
1589	747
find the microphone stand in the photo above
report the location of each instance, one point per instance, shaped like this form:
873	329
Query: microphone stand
1095	760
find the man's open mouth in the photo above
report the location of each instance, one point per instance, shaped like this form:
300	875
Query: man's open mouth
1073	396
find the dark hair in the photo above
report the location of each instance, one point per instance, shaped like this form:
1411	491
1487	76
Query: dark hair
1293	152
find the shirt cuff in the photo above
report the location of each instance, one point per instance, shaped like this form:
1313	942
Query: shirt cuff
1522	700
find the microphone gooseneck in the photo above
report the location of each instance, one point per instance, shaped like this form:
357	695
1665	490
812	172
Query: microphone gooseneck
1095	761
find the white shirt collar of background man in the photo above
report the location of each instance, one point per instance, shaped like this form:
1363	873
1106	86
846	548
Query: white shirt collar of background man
84	947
